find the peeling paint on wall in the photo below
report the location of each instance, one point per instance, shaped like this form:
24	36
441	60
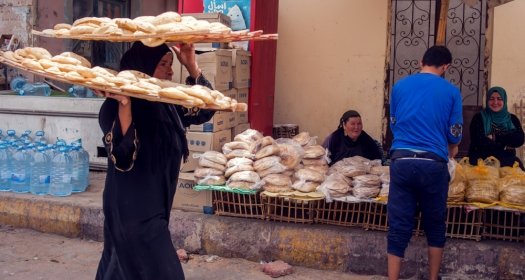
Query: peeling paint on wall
15	19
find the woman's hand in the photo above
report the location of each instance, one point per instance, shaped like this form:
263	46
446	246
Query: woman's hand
122	99
186	55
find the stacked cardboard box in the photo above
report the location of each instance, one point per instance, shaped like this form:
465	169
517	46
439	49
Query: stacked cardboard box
241	75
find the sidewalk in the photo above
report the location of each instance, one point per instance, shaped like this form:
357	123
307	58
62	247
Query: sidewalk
317	246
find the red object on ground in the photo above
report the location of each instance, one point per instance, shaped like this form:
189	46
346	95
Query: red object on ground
277	269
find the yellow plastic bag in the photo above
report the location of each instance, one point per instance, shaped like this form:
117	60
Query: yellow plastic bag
512	189
487	169
515	170
458	184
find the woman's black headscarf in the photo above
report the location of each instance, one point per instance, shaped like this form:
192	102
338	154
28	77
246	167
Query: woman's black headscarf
157	122
142	58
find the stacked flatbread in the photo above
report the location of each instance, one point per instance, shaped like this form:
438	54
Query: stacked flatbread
240	170
77	69
211	169
268	165
168	23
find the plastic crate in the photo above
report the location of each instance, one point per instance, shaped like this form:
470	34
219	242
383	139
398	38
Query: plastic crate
504	224
288	209
348	214
464	224
377	218
285	130
238	205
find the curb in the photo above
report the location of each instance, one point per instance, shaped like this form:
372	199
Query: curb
317	246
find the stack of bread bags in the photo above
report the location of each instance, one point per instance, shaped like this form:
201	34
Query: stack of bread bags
240	170
74	68
145	27
210	171
313	171
268	165
384	175
357	172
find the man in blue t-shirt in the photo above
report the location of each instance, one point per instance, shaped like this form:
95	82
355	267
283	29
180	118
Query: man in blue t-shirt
427	123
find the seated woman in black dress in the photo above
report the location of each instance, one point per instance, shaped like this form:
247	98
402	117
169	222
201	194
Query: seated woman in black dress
495	132
350	140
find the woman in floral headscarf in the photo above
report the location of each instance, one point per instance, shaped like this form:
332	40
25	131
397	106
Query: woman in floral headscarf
495	132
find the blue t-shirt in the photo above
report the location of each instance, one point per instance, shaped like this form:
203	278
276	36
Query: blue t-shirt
425	114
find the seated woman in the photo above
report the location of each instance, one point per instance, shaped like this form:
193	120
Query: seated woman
495	132
350	140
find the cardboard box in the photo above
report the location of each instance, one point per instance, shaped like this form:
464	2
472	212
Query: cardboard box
208	141
188	199
218	122
216	66
241	68
242	96
239	129
192	163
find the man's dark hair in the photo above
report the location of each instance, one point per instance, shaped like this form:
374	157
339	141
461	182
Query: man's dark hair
437	56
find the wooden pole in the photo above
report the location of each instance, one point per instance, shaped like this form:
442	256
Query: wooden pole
442	24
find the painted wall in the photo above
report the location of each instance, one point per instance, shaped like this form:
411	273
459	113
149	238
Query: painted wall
330	58
508	60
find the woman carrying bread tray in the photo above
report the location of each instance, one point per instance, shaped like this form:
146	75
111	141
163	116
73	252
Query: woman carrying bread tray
350	140
145	142
495	132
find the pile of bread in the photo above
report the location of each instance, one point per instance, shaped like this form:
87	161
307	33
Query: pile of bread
164	25
274	165
357	177
77	69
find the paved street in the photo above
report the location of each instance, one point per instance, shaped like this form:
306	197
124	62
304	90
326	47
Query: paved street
27	254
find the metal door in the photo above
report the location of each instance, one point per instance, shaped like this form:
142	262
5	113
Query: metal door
413	30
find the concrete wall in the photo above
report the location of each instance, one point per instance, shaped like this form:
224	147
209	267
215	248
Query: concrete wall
508	59
330	58
15	19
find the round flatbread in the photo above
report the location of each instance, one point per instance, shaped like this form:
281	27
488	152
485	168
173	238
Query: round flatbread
153	42
81	29
85	72
126	24
32	64
104	71
80	58
54	70
65	60
199	92
38	52
74	77
46	63
9	55
59	26
173	93
134	89
166	17
67	67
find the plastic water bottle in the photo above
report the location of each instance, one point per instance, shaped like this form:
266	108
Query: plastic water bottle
17	83
20	170
11	135
84	171
80	91
61	174
40	139
35	89
50	151
5	168
76	169
1	135
26	135
40	172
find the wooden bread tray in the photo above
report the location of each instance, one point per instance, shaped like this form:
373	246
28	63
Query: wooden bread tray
150	97
198	36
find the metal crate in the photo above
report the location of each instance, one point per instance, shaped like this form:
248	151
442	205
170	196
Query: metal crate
291	210
464	224
348	214
238	205
504	224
